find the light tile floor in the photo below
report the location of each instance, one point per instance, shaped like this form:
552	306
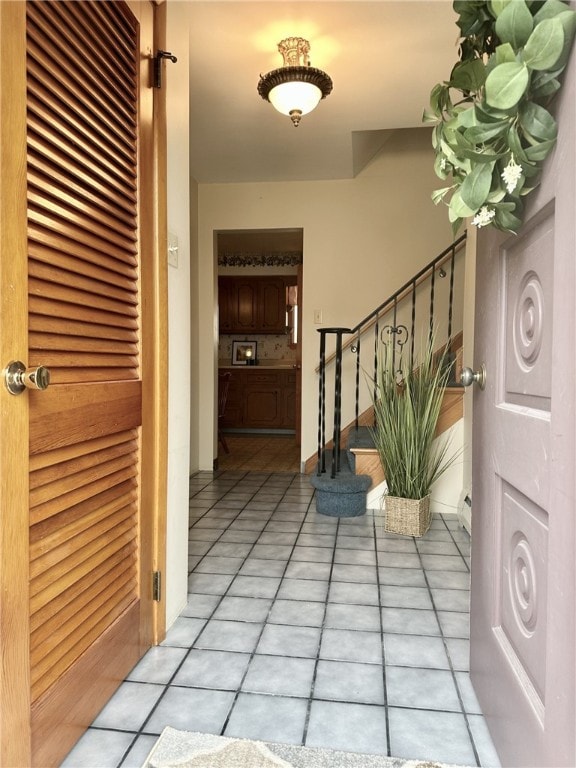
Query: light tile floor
306	629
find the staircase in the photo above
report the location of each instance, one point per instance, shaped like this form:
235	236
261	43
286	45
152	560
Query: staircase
429	305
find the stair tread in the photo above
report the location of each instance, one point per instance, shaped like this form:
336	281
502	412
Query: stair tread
360	438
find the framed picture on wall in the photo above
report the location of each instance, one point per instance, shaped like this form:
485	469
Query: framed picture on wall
243	352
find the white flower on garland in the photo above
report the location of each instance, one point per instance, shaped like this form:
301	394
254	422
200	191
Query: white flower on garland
511	174
484	216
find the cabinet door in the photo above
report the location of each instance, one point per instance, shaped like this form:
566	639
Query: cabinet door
262	400
245	297
272	305
226	304
253	304
238	304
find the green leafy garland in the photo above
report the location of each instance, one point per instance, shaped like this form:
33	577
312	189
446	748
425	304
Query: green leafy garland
492	141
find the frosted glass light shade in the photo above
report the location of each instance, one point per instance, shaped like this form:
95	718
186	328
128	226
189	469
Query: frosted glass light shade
295	97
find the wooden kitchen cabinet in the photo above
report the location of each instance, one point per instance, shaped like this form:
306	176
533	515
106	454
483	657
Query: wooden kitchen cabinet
253	304
261	399
271	299
237	305
224	305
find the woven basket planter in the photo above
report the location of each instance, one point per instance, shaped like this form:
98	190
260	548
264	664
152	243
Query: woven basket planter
408	517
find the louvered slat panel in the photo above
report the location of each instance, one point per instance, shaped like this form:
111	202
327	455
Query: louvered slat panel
70	592
67	461
48	142
56	505
43	675
101	223
91	176
115	260
87	141
66	603
51	212
113	30
52	341
51	274
76	264
119	132
60	326
72	454
90	191
81	34
72	526
92	555
41	222
41	307
59	84
90	137
42	664
71	295
107	38
84	311
68	555
86	75
47	647
57	626
86	478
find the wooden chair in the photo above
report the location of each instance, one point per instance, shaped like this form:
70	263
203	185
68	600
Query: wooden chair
223	387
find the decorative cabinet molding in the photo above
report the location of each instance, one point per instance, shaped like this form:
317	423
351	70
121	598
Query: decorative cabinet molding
253	304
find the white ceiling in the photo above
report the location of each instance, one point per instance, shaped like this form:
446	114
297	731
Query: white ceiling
383	57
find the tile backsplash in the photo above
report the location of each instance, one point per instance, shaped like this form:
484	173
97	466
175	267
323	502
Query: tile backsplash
270	348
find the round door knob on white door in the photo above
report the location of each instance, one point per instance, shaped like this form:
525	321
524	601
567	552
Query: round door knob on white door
18	378
468	376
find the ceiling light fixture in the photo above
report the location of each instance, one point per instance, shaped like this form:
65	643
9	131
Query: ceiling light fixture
296	88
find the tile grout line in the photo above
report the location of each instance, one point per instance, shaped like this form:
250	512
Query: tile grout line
380	613
273	600
460	698
447	650
322	627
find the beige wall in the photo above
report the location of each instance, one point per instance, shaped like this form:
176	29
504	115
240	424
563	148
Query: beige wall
179	325
363	238
194	323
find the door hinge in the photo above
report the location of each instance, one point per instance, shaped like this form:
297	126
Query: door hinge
157	586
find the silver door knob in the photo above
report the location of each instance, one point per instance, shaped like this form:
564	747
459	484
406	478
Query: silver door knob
18	378
468	376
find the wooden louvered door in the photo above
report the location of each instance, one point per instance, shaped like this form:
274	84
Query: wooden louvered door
90	234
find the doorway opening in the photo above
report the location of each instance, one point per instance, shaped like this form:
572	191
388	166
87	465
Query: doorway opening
259	348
